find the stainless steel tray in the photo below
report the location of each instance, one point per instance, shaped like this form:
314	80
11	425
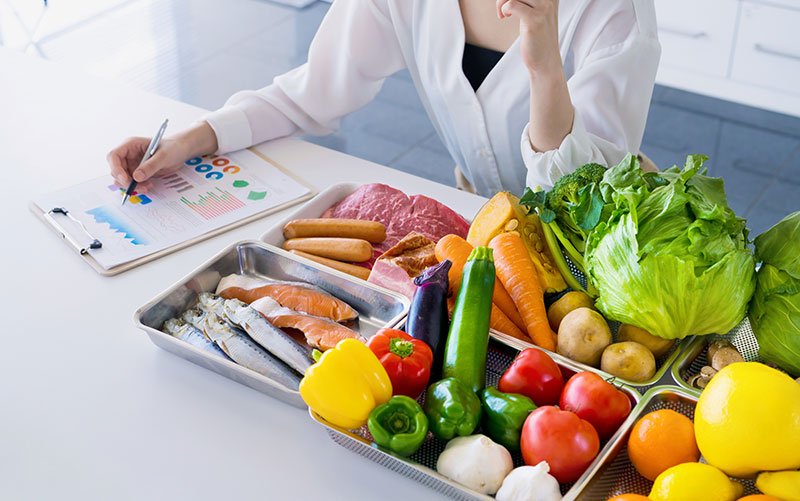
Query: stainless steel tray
317	205
421	466
616	474
377	307
693	357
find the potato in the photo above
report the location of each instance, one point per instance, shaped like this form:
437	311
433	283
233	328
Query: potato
655	344
629	360
583	335
565	304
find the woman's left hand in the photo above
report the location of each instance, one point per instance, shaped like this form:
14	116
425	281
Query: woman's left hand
538	32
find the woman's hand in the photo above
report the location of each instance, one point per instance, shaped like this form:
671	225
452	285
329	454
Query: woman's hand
551	112
169	157
538	32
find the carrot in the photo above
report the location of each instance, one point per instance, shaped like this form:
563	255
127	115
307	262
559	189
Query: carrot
501	323
457	250
497	321
518	274
503	300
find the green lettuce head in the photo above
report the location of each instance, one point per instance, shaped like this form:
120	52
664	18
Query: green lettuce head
672	258
775	308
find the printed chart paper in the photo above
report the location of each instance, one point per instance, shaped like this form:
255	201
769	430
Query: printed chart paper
206	194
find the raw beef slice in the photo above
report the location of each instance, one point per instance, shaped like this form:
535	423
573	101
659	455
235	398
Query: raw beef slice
400	214
398	266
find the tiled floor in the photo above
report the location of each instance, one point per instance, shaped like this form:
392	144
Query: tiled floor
184	50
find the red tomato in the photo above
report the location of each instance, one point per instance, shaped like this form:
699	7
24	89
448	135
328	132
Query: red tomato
596	400
567	442
533	374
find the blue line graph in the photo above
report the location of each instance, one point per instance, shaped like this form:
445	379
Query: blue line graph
105	214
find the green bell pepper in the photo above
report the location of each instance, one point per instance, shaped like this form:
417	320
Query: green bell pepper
452	408
503	416
400	425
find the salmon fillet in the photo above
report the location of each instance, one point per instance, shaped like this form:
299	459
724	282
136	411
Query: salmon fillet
320	333
295	297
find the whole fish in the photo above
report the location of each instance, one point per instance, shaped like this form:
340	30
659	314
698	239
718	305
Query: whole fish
194	317
267	335
210	302
245	352
187	332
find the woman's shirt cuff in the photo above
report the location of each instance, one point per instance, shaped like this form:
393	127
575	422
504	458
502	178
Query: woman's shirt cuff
547	167
232	128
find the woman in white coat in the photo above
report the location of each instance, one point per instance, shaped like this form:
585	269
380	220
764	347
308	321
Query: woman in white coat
520	91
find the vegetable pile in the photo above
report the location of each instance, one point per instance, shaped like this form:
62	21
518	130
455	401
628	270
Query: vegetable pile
663	253
664	250
775	308
556	427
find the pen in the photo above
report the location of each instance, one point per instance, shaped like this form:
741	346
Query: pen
151	149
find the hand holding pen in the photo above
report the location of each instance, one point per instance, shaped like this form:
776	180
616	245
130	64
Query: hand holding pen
148	153
127	161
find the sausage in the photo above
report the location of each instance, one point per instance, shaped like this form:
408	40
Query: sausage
350	269
371	231
341	249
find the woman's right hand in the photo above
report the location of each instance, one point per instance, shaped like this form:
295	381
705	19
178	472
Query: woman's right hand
170	156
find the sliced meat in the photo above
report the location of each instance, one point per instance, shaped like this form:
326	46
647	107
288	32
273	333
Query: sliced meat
396	268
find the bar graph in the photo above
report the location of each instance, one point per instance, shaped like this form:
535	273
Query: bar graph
213	203
178	183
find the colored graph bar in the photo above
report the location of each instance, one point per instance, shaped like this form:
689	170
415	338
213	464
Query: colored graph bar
214	204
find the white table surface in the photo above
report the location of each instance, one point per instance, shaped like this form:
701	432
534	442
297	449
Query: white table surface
89	408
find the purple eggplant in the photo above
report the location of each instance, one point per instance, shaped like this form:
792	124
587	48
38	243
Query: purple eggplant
427	317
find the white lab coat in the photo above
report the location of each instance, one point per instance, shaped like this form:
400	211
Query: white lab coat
609	49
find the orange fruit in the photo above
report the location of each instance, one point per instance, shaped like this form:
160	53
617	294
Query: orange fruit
661	440
630	497
758	497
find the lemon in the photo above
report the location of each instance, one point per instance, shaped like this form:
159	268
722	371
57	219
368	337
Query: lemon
694	481
780	484
748	420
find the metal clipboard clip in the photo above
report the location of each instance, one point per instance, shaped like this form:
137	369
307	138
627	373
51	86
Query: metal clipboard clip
95	244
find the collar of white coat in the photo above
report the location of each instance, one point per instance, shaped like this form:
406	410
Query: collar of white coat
443	34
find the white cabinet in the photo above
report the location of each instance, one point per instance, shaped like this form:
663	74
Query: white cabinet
689	41
768	57
746	51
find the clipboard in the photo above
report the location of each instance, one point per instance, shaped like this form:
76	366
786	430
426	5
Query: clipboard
58	219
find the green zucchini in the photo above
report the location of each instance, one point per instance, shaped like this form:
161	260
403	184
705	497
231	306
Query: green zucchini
468	337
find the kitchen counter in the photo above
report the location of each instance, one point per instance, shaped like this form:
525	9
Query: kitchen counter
91	409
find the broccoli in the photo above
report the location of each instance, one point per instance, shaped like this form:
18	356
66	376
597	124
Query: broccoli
566	190
565	198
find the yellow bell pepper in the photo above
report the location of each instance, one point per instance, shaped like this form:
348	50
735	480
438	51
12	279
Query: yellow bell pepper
346	384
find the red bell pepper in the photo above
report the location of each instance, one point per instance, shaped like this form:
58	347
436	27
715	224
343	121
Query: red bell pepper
407	360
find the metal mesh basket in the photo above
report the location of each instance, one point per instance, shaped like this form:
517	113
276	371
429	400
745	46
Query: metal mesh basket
663	363
617	474
421	466
693	357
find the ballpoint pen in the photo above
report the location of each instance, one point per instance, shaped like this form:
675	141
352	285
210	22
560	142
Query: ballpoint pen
151	149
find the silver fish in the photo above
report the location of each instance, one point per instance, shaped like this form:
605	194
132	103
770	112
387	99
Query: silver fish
187	332
267	335
210	302
245	352
195	317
